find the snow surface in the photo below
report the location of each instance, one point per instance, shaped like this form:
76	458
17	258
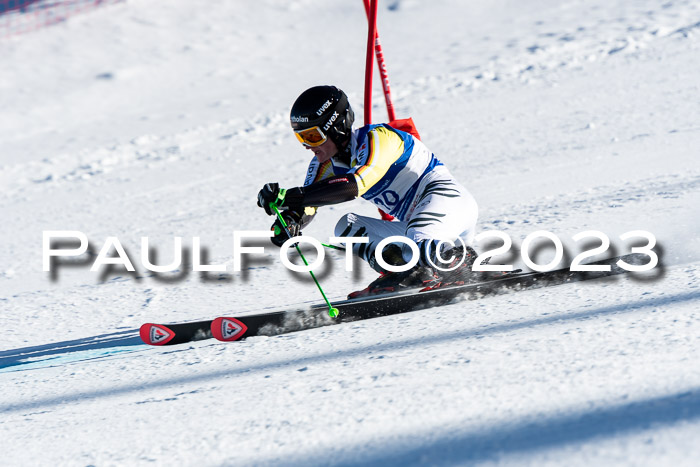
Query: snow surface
163	119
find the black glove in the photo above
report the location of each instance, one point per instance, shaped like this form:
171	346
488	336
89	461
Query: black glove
293	221
290	199
268	195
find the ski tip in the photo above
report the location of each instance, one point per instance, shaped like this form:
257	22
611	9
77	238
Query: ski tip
156	334
228	329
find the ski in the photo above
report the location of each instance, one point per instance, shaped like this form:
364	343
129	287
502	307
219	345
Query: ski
171	334
233	328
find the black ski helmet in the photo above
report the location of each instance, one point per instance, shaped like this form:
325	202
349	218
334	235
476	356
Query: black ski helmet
327	107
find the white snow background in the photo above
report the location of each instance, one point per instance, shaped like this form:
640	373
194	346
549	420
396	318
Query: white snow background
164	118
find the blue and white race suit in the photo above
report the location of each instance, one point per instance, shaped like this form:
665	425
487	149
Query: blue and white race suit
402	177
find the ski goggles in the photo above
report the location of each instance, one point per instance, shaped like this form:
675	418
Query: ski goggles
312	137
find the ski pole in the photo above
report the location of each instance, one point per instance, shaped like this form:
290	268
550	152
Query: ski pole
332	311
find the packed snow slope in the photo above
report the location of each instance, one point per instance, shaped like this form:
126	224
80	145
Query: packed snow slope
164	118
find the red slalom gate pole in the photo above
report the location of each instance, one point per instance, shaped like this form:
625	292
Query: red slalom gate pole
369	64
381	64
385	78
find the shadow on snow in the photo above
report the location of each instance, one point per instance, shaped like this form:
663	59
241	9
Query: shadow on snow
523	437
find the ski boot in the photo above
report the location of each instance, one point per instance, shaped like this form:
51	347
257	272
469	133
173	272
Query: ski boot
458	271
418	277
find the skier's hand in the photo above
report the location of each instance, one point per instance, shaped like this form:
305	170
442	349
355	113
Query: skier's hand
293	221
271	193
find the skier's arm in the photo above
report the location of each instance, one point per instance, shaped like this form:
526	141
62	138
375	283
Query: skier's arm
304	200
383	148
332	190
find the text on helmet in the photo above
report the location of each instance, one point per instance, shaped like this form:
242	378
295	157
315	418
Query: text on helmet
330	121
326	104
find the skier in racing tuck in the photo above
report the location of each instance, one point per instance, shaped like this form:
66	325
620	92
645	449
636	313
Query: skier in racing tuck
394	170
